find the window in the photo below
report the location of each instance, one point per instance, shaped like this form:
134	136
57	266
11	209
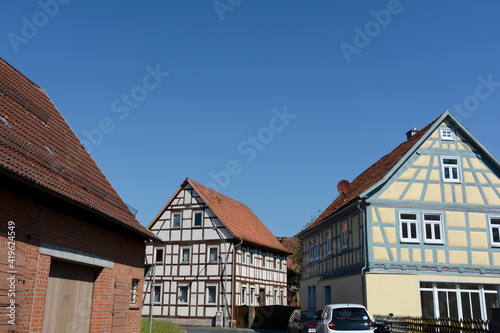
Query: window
275	263
328	294
282	261
183	294
185	255
495	231
157	294
345	235
314	248
133	291
276	297
447	134
176	223
451	169
158	255
311	297
211	294
252	296
433	229
408	227
264	259
198	217
243	256
213	254
329	242
251	257
243	295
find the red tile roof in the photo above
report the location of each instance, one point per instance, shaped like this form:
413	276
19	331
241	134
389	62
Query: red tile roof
239	220
37	144
373	174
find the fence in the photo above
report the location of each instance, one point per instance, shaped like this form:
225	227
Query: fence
435	325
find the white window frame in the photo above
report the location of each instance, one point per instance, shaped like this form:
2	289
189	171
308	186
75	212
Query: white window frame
198	212
179	294
243	295
243	256
210	286
447	134
433	224
329	241
276	298
410	239
210	248
494	227
156	255
133	291
153	296
252	257
264	259
181	259
344	234
450	168
275	263
252	295
173	220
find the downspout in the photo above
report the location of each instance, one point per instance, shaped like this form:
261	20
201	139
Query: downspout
233	292
363	289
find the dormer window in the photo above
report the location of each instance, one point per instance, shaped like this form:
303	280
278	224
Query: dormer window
447	134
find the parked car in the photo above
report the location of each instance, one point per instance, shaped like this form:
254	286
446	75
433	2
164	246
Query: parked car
349	318
303	321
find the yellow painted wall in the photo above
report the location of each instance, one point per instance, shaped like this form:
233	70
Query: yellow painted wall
396	293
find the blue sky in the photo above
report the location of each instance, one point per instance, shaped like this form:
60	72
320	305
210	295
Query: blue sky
271	103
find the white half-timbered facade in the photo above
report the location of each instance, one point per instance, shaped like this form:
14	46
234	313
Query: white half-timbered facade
215	254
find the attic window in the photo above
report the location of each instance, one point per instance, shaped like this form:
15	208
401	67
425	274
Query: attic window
447	134
5	121
50	151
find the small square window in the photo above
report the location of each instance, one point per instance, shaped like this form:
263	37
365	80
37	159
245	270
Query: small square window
198	217
450	167
213	254
447	134
495	231
157	294
408	223
185	255
176	220
183	294
158	256
211	294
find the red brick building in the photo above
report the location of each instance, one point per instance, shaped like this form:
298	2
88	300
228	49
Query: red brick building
71	251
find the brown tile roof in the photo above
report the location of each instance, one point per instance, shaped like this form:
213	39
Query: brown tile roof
37	144
373	174
239	220
292	244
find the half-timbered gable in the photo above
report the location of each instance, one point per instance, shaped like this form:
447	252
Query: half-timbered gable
215	254
431	211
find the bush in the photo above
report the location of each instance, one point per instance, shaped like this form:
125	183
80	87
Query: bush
160	326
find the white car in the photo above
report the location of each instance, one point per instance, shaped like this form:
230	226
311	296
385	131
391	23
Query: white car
348	318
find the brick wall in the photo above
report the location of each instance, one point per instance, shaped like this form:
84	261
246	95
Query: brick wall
36	223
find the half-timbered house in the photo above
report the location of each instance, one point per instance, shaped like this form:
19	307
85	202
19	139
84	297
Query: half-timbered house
215	255
417	233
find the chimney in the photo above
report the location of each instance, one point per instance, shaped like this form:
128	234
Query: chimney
411	133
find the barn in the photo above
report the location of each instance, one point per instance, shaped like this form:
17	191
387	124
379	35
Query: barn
72	252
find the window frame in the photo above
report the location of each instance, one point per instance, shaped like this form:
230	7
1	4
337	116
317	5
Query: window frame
198	212
425	222
156	249
243	255
417	227
153	296
181	254
264	259
133	291
252	295
210	248
492	227
344	234
179	301
450	167
173	220
329	241
451	137
243	295
252	257
207	300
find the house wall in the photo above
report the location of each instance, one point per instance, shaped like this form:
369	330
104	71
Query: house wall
200	273
40	231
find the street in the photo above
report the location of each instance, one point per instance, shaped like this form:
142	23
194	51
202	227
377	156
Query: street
192	329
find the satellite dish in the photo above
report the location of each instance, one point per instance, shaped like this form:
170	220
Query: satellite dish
344	187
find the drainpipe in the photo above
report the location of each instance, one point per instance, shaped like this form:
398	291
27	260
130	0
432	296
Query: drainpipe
233	291
363	287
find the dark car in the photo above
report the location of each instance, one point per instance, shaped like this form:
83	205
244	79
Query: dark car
303	321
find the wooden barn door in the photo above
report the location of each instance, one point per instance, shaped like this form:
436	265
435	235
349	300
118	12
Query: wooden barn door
122	301
68	306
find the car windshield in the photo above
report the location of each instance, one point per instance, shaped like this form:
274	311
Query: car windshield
311	315
351	319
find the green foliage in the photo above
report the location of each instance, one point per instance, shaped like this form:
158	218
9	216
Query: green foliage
160	326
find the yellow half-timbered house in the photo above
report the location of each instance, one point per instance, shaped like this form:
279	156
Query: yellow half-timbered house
418	233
